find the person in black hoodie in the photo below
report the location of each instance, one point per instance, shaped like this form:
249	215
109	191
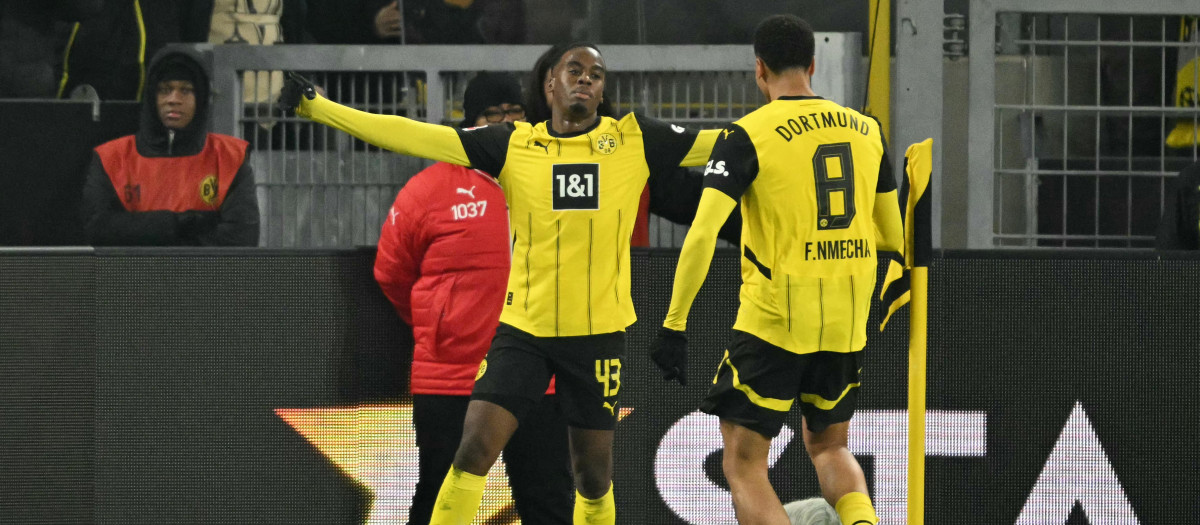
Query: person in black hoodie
173	183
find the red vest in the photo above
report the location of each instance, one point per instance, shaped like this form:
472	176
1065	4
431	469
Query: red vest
195	182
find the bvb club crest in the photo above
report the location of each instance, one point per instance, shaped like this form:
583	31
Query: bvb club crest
208	190
606	144
482	369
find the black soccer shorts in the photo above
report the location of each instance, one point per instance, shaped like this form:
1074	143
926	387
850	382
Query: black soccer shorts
757	383
587	372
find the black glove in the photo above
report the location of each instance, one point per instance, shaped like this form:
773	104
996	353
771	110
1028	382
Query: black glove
293	88
192	223
669	352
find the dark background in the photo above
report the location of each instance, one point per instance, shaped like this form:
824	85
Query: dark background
138	386
46	147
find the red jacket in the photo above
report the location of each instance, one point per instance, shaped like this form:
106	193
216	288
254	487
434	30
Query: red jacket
443	261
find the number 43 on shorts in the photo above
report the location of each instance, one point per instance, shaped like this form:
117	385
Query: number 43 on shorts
608	374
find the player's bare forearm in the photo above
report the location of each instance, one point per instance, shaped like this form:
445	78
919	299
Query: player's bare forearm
696	255
391	132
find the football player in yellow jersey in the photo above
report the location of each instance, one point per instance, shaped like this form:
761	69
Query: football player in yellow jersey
818	204
572	185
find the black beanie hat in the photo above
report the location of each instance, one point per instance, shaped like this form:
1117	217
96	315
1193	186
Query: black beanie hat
487	90
174	68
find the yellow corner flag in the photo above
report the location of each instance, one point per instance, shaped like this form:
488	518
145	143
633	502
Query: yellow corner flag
917	214
910	281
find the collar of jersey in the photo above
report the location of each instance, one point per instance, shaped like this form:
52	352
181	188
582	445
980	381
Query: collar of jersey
550	131
801	97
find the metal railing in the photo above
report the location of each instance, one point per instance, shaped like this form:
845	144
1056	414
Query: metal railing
319	187
1069	115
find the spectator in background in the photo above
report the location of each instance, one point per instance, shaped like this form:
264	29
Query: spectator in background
1179	228
172	183
417	21
109	51
29	36
256	23
443	261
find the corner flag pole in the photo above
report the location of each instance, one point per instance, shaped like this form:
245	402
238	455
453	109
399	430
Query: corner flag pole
918	232
918	321
906	282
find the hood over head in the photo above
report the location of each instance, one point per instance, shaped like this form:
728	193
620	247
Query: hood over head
153	139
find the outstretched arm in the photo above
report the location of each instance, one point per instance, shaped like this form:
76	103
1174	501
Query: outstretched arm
675	194
675	191
696	255
484	149
391	132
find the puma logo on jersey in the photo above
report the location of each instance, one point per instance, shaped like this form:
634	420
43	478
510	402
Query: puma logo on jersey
612	408
539	144
677	129
470	192
725	134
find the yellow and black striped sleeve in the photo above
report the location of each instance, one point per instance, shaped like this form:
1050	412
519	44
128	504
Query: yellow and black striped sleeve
487	146
734	163
411	137
668	146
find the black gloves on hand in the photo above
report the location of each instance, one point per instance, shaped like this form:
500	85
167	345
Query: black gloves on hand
669	352
192	223
293	88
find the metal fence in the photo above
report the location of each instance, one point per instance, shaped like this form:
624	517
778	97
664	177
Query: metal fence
319	187
1071	106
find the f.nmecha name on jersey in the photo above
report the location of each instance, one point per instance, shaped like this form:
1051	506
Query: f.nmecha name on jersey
837	249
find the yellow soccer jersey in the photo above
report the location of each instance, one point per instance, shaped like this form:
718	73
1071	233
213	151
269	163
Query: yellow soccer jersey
573	201
818	204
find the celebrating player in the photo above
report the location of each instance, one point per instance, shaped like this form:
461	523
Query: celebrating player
572	184
819	203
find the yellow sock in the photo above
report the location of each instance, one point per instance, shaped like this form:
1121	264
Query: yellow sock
599	511
855	509
458	499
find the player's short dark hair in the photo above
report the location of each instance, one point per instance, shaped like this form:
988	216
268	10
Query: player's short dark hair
784	42
573	46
